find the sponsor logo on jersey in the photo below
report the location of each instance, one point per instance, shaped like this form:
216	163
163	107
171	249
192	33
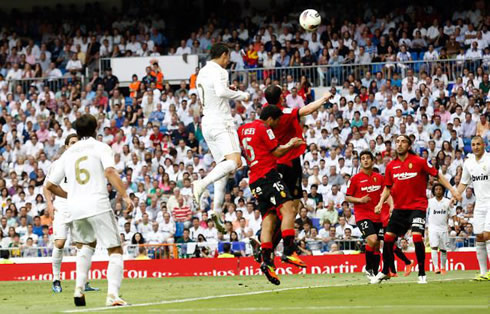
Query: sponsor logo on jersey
396	167
440	212
482	177
371	188
271	134
405	175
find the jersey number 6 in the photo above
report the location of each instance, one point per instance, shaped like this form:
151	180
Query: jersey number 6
79	171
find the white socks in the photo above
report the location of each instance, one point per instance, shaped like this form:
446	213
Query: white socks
222	169
443	259
115	274
481	255
57	257
435	259
84	261
219	194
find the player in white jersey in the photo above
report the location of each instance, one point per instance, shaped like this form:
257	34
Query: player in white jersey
61	224
476	171
86	165
439	211
218	126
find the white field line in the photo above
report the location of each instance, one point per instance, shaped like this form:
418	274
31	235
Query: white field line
212	297
334	307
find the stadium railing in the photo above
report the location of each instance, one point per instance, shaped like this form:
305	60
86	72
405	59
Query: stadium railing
327	75
54	84
211	249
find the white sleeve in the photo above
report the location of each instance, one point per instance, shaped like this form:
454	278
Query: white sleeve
465	177
56	172
221	87
107	157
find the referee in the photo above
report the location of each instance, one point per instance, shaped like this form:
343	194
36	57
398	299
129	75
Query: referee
406	181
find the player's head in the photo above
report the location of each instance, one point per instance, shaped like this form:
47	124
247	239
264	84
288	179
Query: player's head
367	159
270	115
86	126
71	139
404	145
438	190
477	146
220	53
273	95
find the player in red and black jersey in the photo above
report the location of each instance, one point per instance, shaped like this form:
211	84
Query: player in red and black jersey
289	165
406	181
262	150
364	190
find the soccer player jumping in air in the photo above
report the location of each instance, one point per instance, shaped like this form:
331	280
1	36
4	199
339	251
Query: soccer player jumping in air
262	150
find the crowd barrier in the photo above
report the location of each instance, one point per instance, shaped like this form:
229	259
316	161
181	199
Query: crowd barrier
219	267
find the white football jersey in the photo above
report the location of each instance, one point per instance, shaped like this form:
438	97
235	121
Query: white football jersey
438	213
212	86
478	173
83	165
60	204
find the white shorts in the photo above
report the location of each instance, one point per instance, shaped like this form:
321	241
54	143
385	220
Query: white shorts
61	229
481	220
101	227
439	239
222	139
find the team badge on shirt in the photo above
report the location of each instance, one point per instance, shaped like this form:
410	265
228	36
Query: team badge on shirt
374	179
410	165
283	194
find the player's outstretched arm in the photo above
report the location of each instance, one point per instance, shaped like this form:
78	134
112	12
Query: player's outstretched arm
384	196
113	177
283	149
56	189
314	106
222	90
454	192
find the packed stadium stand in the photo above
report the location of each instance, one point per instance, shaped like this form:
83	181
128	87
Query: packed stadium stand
414	69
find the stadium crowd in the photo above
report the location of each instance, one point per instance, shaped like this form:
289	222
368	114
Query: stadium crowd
155	133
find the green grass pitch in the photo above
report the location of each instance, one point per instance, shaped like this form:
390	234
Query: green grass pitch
453	293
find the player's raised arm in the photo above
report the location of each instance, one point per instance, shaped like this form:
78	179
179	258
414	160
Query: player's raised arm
314	106
283	149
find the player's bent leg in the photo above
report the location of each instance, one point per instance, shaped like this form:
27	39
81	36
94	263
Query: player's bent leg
290	256
267	254
232	162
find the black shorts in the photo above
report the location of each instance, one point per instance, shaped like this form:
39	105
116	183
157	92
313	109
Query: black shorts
368	227
292	178
270	192
402	220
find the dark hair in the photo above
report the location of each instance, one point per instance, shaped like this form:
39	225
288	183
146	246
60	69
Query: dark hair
273	94
68	138
226	247
366	152
86	126
270	111
436	185
217	50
